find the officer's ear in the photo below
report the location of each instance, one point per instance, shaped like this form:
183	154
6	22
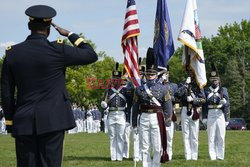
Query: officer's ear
30	26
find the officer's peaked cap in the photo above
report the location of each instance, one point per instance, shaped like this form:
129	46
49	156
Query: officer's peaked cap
40	15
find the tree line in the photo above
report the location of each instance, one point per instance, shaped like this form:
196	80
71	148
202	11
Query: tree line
229	50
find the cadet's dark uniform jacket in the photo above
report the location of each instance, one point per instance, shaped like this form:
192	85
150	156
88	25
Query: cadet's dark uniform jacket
143	101
117	98
213	98
196	93
36	68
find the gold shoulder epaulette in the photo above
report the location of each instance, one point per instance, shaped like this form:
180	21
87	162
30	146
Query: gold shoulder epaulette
8	47
8	122
59	40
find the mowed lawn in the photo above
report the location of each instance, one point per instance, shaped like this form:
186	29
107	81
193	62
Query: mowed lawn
92	150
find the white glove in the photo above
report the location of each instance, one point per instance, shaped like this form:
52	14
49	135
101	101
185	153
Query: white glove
135	129
223	101
204	121
106	110
189	99
164	76
226	123
104	104
188	80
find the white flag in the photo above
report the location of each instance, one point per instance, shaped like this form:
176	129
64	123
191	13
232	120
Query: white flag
191	37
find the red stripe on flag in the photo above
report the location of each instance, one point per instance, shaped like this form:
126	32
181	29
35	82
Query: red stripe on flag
130	22
131	12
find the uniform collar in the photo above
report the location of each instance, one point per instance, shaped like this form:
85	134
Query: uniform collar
36	36
151	83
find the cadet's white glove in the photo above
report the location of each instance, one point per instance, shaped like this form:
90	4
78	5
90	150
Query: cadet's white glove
189	99
104	104
135	129
164	76
106	111
188	80
223	101
226	123
204	121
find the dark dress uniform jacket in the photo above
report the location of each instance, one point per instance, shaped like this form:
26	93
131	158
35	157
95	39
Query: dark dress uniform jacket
160	92
36	68
213	102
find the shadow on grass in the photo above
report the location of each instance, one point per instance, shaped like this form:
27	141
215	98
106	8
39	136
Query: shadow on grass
85	158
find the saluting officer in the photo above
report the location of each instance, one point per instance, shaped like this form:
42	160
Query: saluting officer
216	112
153	103
116	100
40	112
191	99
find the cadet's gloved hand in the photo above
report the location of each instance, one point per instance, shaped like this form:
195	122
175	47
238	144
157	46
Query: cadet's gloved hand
188	80
223	101
189	99
61	31
104	105
226	123
9	128
127	124
204	121
168	122
135	129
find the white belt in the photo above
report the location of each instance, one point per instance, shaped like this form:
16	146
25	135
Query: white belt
215	106
117	108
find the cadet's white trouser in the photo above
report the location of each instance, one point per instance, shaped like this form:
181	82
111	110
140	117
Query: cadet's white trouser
116	127
137	146
216	130
190	132
170	135
126	140
150	133
84	125
79	125
105	123
95	126
1	124
90	124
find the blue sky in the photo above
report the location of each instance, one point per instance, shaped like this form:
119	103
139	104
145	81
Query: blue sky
102	20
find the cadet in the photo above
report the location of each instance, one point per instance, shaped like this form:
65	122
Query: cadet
89	119
40	112
127	132
164	79
116	100
135	130
191	98
153	103
2	122
215	112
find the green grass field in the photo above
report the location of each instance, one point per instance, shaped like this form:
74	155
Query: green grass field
92	150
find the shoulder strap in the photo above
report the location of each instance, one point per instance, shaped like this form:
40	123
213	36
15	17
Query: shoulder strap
151	95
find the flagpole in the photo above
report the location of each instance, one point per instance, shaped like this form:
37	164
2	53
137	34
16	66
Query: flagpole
188	69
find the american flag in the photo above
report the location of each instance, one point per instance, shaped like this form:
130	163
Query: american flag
130	44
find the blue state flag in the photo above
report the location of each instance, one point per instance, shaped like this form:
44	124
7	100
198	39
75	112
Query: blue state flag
163	39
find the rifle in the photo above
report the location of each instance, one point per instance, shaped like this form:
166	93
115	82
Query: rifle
188	69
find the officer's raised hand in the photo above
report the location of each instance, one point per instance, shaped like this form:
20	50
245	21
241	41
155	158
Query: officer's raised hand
61	31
